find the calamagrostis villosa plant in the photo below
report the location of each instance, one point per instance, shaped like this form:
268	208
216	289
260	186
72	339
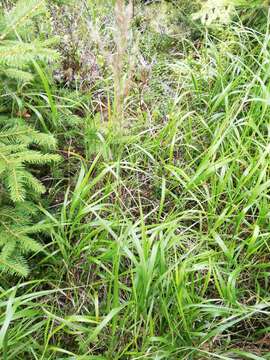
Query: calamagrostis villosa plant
122	60
123	16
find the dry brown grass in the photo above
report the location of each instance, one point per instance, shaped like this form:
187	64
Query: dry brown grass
121	58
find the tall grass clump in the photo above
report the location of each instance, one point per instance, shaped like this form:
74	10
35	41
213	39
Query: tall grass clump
159	246
169	241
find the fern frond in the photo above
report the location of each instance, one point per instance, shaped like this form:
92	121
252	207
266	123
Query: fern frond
9	149
16	238
31	182
26	209
21	14
8	248
2	166
14	265
19	54
16	177
18	75
15	183
36	157
20	211
26	135
35	229
14	215
47	141
17	134
20	144
29	245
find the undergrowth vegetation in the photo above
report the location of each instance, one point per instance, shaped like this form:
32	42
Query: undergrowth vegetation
134	192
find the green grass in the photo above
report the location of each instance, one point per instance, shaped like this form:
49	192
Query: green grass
159	246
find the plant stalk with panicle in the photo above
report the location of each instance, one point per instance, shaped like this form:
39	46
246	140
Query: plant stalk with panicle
121	61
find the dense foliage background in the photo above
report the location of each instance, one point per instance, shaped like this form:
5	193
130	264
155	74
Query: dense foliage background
134	190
